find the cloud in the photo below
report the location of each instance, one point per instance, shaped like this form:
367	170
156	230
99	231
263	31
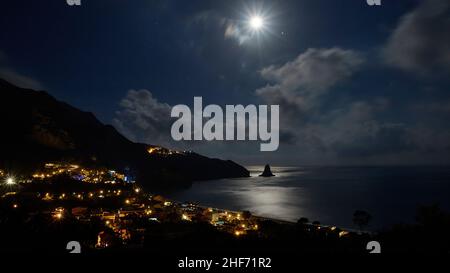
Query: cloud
438	107
347	130
358	133
421	41
232	29
314	70
142	118
318	124
9	74
298	84
18	79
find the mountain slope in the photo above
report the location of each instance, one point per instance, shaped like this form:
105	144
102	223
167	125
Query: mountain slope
36	128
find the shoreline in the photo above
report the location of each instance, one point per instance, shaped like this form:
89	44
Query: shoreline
278	221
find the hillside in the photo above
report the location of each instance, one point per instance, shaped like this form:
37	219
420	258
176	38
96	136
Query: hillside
37	128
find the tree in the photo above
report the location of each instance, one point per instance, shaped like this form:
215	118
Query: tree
246	215
431	216
302	221
361	218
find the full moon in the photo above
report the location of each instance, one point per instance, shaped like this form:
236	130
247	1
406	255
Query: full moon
256	22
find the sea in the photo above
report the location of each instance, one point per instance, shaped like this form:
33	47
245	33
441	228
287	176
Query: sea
330	195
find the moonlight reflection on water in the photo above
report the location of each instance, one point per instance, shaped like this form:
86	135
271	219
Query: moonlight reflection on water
271	201
328	194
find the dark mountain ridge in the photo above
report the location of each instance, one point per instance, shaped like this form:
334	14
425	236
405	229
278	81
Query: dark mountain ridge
37	128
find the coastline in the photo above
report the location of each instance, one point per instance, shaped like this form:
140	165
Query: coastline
275	220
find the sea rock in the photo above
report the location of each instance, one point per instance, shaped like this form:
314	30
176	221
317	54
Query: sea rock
267	172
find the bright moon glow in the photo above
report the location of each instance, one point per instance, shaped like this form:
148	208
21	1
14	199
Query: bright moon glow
256	22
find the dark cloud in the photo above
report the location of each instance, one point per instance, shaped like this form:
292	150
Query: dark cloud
287	137
298	87
11	75
350	130
142	118
374	138
298	84
439	107
314	70
421	40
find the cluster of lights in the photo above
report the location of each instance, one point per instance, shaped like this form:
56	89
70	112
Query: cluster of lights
88	175
163	151
185	217
58	213
152	150
47	196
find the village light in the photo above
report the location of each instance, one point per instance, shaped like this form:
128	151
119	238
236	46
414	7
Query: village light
10	181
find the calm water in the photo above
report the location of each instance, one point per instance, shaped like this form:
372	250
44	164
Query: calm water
329	194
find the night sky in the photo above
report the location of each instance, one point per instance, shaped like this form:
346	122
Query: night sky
356	84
